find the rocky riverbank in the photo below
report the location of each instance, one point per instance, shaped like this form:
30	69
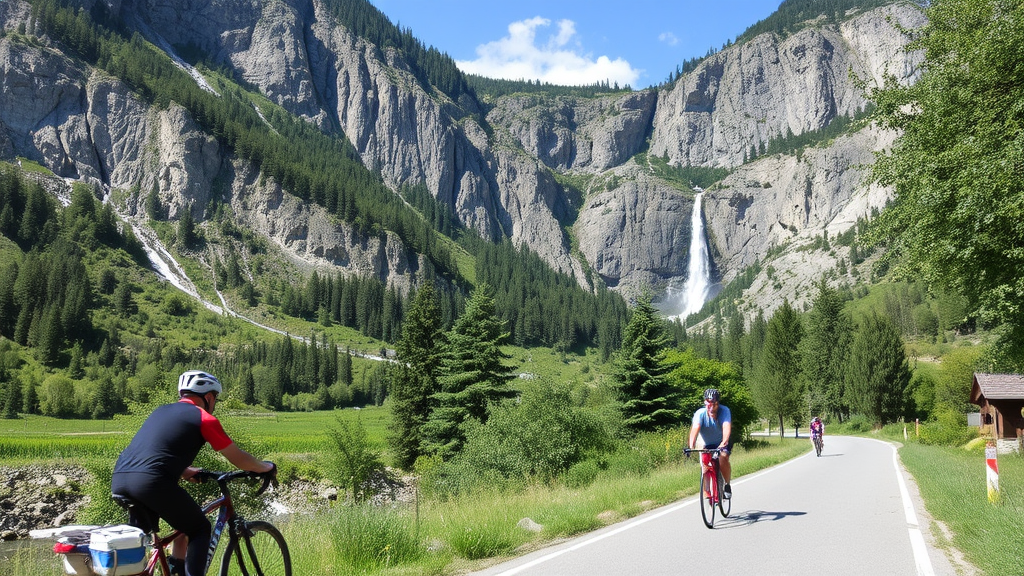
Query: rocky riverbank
33	497
37	496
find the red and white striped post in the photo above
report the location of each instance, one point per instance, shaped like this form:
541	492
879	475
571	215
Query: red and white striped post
992	473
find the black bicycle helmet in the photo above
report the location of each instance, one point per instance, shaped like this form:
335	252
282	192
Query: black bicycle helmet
712	394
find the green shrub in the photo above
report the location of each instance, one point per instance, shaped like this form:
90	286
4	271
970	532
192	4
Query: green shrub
538	437
857	423
581	474
947	429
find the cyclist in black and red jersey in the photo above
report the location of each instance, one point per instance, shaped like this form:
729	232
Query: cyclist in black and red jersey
162	451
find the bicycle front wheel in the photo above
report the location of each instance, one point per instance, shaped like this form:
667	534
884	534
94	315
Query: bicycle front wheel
724	504
708	491
259	550
817	445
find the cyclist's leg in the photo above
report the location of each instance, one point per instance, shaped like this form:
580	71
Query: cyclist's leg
187	516
172	503
723	463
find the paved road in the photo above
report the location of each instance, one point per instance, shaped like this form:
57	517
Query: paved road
851	511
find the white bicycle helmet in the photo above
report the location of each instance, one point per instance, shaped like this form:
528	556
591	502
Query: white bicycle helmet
198	382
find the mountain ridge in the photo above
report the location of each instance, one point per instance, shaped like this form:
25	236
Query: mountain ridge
497	170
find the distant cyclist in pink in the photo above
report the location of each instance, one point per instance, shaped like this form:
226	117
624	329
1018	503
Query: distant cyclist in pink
162	451
714	424
818	429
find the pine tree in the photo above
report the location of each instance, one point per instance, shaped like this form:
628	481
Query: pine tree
825	351
473	374
777	388
415	381
649	401
878	370
30	400
154	210
187	228
247	387
10	394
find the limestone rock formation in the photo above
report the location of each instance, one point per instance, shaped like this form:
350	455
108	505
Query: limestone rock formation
501	166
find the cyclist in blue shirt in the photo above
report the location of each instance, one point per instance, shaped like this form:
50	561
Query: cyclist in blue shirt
713	423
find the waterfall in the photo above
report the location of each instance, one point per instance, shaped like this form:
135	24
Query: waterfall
698	276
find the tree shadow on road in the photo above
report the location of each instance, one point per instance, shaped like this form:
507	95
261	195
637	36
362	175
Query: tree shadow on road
749	517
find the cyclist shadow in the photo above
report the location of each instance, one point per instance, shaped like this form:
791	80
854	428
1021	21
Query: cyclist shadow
738	520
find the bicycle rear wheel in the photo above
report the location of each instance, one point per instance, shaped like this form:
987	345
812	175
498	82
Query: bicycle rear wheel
259	550
708	490
724	504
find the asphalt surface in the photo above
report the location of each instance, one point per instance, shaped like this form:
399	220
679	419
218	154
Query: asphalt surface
854	510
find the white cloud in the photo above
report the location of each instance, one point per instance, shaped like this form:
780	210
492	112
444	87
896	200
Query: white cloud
558	60
668	38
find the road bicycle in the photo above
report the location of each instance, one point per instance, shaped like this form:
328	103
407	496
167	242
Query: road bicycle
255	547
818	443
711	484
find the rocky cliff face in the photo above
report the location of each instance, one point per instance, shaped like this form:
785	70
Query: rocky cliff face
743	97
495	164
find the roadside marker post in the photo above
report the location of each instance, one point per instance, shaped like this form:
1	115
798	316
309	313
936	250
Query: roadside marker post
992	473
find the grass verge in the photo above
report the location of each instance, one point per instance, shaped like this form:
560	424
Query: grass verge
952	484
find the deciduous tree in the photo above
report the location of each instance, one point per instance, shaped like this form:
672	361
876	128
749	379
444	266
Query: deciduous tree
957	166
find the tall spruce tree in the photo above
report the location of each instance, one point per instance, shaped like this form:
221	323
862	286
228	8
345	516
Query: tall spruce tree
878	370
825	352
473	374
415	381
777	386
649	400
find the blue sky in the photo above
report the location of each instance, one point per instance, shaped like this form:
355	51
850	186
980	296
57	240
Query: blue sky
571	42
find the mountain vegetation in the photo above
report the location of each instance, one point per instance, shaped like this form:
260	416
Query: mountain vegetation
933	293
87	329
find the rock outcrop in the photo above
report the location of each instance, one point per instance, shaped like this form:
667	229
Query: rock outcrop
496	165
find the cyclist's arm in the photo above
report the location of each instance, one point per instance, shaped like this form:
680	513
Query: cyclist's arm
694	430
242	459
726	432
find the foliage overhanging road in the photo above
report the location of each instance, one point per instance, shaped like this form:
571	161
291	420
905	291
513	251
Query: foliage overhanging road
848	512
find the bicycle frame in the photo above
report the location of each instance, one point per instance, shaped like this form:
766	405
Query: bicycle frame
711	484
712	468
225	517
226	511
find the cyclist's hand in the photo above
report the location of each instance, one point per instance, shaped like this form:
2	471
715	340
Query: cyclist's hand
190	474
272	473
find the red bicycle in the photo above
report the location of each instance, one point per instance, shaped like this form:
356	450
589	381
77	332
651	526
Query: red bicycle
711	483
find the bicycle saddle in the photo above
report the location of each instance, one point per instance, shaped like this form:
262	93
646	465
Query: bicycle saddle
139	515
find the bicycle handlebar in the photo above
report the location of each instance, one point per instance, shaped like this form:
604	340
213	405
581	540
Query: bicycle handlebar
709	450
222	478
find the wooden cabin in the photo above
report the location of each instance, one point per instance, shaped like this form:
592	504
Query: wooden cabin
1001	398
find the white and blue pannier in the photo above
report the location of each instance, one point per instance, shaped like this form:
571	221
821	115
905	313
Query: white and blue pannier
117	550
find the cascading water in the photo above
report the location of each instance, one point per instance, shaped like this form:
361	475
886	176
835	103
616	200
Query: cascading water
698	276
